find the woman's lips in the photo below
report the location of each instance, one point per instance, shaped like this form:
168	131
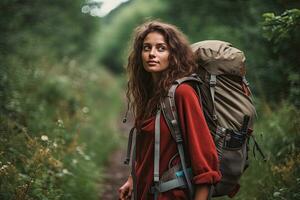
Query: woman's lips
152	62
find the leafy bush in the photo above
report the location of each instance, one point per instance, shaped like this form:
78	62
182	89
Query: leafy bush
51	150
53	104
283	33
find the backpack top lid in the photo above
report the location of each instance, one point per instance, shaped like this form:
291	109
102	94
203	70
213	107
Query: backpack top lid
219	57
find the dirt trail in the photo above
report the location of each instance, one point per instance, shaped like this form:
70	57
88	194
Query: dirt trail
115	172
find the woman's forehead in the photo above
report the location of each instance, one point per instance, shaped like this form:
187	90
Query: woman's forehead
154	37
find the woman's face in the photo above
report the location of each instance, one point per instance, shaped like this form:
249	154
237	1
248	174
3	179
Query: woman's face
155	53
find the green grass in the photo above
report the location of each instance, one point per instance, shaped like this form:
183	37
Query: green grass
58	129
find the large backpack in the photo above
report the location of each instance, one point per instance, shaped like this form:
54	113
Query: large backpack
227	105
229	111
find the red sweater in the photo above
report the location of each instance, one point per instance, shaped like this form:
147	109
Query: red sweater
200	149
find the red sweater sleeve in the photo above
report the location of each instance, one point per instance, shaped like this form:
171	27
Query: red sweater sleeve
198	140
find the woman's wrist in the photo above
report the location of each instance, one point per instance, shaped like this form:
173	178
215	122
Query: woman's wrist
202	192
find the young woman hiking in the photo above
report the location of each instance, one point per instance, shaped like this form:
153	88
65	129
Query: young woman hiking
159	56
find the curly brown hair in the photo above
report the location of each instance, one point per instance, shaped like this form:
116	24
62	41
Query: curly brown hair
142	94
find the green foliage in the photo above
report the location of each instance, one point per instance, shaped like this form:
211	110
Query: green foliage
279	28
51	150
64	115
283	33
56	107
115	35
236	22
29	29
278	134
59	109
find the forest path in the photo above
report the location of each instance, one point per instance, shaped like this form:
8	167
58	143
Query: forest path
114	175
115	172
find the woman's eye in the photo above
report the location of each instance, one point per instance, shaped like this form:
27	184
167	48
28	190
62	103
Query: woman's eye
146	48
161	48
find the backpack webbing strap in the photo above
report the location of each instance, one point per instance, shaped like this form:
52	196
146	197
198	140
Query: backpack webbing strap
193	77
212	87
257	147
133	175
156	152
210	192
171	179
184	168
199	95
127	159
169	110
248	87
129	146
169	185
168	106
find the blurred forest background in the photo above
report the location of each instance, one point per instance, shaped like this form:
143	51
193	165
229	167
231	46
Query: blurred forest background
62	83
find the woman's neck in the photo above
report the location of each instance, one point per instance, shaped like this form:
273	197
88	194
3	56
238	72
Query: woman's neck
155	78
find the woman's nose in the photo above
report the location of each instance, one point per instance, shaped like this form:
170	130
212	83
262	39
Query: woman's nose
152	52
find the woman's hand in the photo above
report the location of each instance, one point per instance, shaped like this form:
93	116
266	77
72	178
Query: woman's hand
201	192
125	191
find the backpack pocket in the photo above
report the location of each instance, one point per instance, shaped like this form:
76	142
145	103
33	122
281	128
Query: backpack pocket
233	161
234	140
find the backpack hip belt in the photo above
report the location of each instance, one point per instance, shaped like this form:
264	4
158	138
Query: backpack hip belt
171	179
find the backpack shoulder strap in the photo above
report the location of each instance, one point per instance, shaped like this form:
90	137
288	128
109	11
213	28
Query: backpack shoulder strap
168	105
169	110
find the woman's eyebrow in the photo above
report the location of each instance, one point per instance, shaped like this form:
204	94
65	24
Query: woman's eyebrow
159	43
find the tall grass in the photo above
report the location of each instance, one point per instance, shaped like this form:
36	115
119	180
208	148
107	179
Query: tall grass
57	129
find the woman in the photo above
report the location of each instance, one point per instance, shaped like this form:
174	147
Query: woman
160	55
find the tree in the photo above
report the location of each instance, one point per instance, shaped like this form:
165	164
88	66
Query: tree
282	31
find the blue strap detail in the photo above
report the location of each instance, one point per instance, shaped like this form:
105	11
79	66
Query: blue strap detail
181	173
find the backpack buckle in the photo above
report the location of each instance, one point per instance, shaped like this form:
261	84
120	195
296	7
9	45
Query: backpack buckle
245	81
178	138
154	188
213	80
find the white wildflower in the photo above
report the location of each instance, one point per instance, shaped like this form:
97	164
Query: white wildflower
44	138
86	157
79	150
65	172
276	194
85	110
54	144
74	161
60	123
3	167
